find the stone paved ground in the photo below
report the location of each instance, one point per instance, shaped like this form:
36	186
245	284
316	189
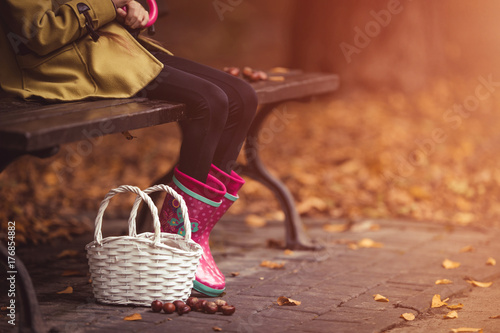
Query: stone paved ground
335	285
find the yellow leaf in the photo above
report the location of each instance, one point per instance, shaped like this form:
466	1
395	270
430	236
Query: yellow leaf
255	221
455	306
67	254
135	316
480	284
333	228
68	290
495	317
444	281
466	330
271	264
282	300
408	316
72	273
468	248
491	262
217	329
437	302
448	264
369	243
380	298
451	315
288	252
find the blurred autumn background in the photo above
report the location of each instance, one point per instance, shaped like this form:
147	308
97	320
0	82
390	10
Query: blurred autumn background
411	134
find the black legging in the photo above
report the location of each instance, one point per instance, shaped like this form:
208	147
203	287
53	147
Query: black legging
220	107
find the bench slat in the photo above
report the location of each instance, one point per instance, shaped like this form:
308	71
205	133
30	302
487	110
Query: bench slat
30	126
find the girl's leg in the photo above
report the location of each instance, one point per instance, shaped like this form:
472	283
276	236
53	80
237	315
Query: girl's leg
208	107
242	105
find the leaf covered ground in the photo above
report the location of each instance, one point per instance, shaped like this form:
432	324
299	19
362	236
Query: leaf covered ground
426	156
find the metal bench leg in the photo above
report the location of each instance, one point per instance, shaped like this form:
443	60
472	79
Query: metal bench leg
29	318
296	237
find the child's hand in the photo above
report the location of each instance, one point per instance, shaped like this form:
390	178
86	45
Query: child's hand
120	3
135	17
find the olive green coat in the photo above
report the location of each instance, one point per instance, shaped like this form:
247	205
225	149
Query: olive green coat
46	51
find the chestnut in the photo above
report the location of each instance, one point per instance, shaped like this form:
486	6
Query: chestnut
191	301
228	310
168	308
183	310
156	306
211	307
234	71
178	304
220	303
247	72
200	306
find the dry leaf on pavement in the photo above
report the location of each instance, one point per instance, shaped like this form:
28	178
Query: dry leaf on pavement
495	317
468	248
437	302
135	316
491	262
451	315
444	281
288	252
68	290
369	243
334	228
67	254
282	300
380	298
448	264
216	329
466	330
480	284
255	221
234	274
455	306
408	316
272	264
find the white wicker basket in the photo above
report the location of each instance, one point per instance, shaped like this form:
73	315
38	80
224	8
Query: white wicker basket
137	269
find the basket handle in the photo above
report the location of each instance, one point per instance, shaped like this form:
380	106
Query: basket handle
123	189
172	192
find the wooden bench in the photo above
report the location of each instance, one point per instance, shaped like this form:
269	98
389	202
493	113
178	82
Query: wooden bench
39	129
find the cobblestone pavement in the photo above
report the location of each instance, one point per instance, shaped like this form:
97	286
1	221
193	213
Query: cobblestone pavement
335	286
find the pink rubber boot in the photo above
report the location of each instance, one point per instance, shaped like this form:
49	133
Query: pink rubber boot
202	201
233	183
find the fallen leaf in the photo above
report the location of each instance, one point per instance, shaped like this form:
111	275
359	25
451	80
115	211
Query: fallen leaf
448	264
369	243
491	262
437	302
408	316
67	254
276	78
352	246
72	273
468	248
235	273
68	290
380	298
282	300
4	308
451	315
272	264
495	317
255	221
128	136
261	278
455	306
444	281
466	330
135	316
217	329
480	284
288	252
334	228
